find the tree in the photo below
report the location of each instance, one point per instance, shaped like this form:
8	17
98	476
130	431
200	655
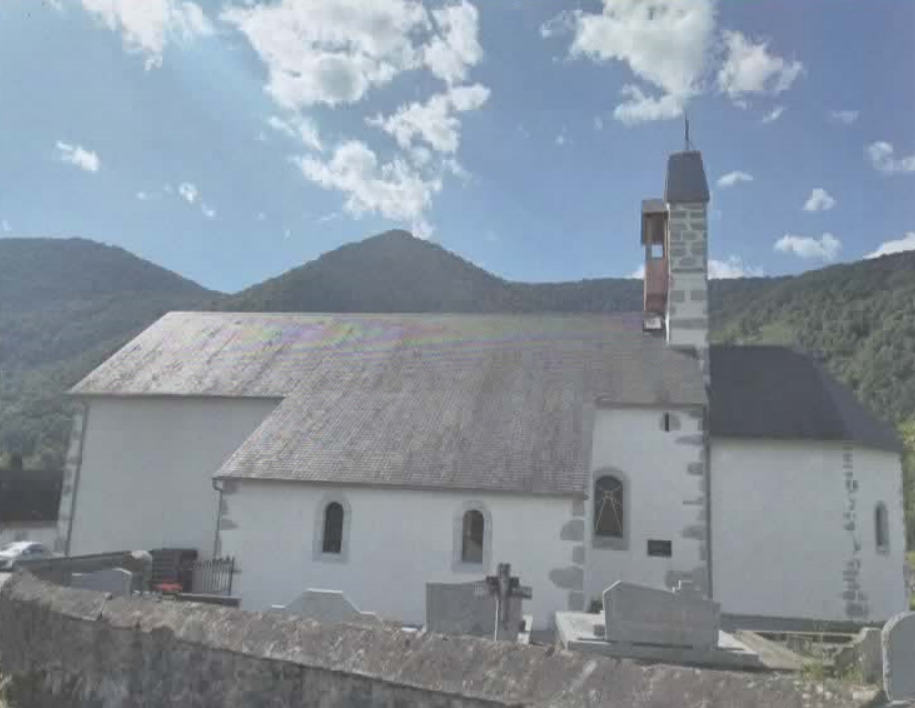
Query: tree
907	433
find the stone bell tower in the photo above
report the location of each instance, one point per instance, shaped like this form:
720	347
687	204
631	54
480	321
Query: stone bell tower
675	236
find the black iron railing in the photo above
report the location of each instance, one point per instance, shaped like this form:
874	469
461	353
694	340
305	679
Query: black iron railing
209	577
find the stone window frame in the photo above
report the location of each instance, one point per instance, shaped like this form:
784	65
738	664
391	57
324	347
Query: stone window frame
612	543
881	528
318	553
458	565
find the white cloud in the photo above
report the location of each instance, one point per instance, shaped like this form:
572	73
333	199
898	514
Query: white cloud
561	138
78	156
299	128
641	107
749	68
261	216
395	189
331	51
434	121
5	225
882	156
665	43
208	211
598	123
819	200
733	267
825	248
906	243
188	192
846	117
773	115
148	25
144	196
733	178
334	52
450	55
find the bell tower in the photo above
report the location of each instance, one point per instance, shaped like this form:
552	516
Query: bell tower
675	237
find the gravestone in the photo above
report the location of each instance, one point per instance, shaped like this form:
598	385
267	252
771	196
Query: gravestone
117	581
328	607
641	615
489	608
899	657
468	608
864	652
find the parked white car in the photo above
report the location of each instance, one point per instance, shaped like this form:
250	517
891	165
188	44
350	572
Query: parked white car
11	553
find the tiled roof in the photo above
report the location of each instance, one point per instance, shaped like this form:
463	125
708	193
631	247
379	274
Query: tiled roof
776	393
484	402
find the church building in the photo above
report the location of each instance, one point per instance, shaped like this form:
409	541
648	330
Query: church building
373	454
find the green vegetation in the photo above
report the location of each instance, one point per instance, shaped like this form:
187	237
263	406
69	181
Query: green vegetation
907	433
65	305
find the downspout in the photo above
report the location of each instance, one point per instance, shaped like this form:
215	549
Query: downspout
217	486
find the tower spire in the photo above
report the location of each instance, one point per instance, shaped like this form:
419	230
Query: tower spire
688	143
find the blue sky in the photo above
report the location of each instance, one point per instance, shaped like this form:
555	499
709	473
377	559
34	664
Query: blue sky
232	140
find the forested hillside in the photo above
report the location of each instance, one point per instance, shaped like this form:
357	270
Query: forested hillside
66	304
859	319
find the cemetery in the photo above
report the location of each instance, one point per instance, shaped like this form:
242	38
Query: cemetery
649	626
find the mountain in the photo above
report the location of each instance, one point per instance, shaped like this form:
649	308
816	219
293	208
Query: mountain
65	305
395	272
858	319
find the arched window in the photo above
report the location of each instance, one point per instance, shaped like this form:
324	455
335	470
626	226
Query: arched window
609	507
881	528
474	529
333	528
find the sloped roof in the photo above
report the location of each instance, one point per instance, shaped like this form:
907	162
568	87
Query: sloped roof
483	402
685	178
777	393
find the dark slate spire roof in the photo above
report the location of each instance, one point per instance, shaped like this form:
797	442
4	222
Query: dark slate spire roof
777	393
686	178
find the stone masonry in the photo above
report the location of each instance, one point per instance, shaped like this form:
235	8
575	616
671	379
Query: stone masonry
72	464
687	310
67	648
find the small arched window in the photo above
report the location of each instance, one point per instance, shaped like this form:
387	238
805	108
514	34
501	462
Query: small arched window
333	528
609	507
881	528
474	529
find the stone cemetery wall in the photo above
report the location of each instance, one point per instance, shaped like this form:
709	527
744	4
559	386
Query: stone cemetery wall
67	648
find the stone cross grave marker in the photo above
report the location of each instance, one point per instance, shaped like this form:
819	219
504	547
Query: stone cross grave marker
899	658
328	607
641	615
117	581
488	608
504	588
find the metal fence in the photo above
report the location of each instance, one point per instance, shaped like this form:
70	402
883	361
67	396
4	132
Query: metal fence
210	577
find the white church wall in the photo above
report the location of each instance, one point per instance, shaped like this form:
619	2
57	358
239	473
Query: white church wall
395	541
664	497
147	463
787	518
